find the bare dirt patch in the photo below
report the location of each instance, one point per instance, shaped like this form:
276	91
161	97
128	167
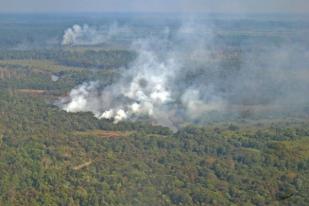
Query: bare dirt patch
32	91
103	134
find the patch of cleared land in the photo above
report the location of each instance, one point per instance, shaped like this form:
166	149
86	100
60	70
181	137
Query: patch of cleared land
102	134
32	91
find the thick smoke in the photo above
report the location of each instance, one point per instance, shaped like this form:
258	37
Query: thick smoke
191	72
144	89
88	35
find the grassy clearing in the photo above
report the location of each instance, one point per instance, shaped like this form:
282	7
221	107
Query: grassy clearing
32	91
40	65
102	134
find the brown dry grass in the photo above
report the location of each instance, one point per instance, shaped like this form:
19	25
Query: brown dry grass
32	91
103	134
211	160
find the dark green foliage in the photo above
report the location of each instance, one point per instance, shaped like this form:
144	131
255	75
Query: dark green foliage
50	157
40	151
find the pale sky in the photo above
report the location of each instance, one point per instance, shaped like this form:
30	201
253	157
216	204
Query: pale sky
230	6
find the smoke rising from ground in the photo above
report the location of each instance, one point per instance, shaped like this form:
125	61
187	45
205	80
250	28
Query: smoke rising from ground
187	73
89	35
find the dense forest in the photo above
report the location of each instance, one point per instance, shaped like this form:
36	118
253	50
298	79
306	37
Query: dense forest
51	157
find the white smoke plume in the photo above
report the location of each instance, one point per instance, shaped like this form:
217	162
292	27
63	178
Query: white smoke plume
147	88
89	35
184	75
142	90
54	77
